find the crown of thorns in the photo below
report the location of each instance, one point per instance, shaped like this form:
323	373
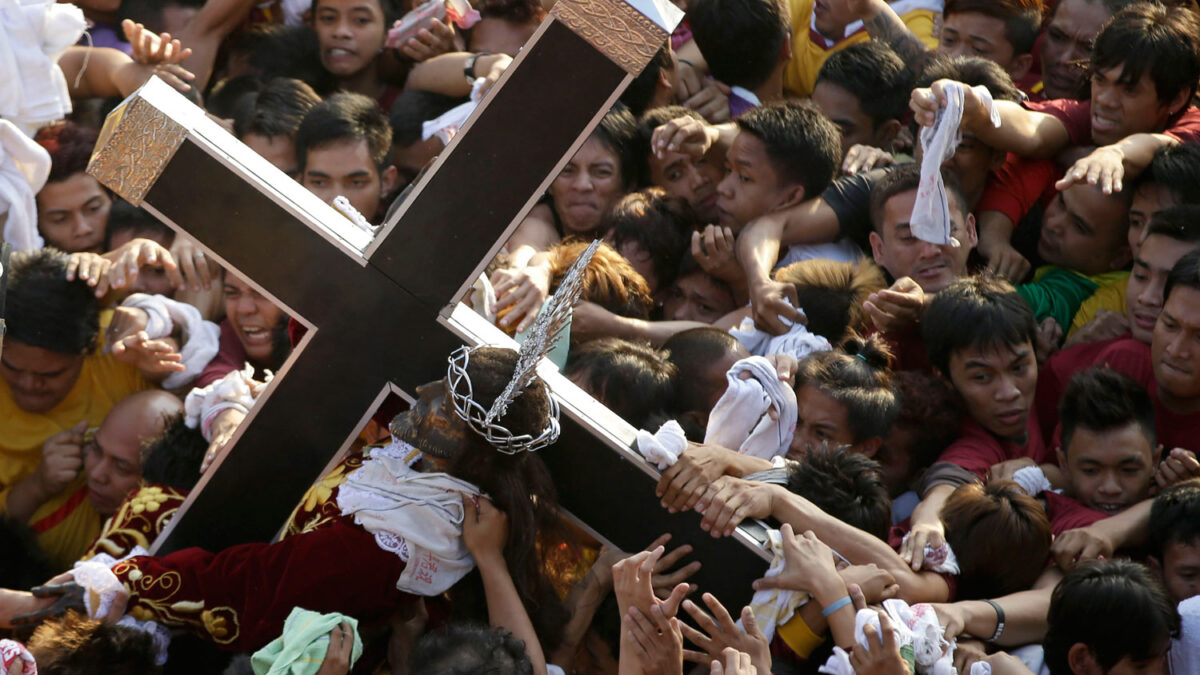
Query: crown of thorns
540	339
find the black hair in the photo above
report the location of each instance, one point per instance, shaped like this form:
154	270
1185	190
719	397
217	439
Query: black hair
1180	222
857	375
741	39
276	109
227	97
693	351
70	146
617	131
1177	168
634	380
173	457
1186	273
970	70
293	52
125	217
982	312
1148	38
469	649
803	146
907	178
659	224
1101	399
392	10
149	12
1115	608
874	75
45	310
345	117
76	645
640	92
831	294
412	108
1175	518
846	485
1022	18
23	564
651	120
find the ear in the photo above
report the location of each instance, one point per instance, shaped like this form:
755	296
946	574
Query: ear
869	447
1080	659
389	180
1020	66
791	197
885	134
1181	99
1155	566
1062	461
785	52
876	247
972	232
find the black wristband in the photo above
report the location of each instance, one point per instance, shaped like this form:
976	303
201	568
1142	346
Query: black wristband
999	620
469	66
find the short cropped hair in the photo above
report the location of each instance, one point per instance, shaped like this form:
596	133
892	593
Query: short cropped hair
345	117
803	146
1185	273
411	109
469	648
874	75
1180	222
1177	168
1175	518
982	312
858	375
832	293
1115	608
846	485
47	311
660	225
640	92
1001	536
1148	38
125	217
906	178
275	110
1022	18
70	146
651	120
970	70
173	457
633	379
741	39
1101	399
692	352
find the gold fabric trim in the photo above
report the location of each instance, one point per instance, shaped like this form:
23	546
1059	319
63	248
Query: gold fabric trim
137	142
613	27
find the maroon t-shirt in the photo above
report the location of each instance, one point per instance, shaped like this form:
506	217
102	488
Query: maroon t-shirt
231	356
1123	354
1066	513
1076	116
977	450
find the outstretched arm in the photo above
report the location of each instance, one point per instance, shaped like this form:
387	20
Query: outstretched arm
1022	132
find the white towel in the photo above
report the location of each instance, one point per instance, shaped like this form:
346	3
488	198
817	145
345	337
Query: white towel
664	446
774	607
24	167
33	35
1032	480
100	590
203	338
916	626
740	421
931	213
418	516
941	559
446	125
796	342
237	390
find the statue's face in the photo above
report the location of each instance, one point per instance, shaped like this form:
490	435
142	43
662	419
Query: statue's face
432	425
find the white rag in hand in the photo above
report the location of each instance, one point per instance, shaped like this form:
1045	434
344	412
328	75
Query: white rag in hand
1032	480
941	559
774	607
664	446
796	342
916	627
24	167
201	338
931	213
740	420
446	126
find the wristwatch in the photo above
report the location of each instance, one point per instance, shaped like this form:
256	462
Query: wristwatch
469	67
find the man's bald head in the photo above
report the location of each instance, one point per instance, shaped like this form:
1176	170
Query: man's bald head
113	459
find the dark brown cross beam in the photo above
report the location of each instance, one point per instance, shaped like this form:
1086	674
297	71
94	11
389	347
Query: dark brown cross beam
371	303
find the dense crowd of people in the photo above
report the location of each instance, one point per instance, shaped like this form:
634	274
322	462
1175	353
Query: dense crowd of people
916	283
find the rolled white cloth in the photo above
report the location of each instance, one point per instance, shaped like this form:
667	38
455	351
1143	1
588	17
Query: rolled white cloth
740	420
930	219
796	342
100	590
34	34
1032	480
664	446
24	167
201	338
237	390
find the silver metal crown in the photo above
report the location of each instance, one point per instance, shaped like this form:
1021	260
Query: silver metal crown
540	339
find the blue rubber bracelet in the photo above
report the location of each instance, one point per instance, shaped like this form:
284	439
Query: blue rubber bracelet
835	606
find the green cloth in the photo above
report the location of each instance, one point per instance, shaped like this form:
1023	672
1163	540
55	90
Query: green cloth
302	646
1057	292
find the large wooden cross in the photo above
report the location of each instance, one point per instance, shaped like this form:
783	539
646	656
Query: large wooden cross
371	303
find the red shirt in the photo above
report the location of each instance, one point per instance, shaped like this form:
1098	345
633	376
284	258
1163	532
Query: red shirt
231	356
1018	186
1175	430
907	348
1066	513
1076	116
977	450
1124	354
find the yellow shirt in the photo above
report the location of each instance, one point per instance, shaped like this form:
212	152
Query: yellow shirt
809	49
102	382
66	525
1110	296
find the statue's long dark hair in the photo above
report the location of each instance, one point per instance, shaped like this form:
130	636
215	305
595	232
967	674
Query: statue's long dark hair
519	485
